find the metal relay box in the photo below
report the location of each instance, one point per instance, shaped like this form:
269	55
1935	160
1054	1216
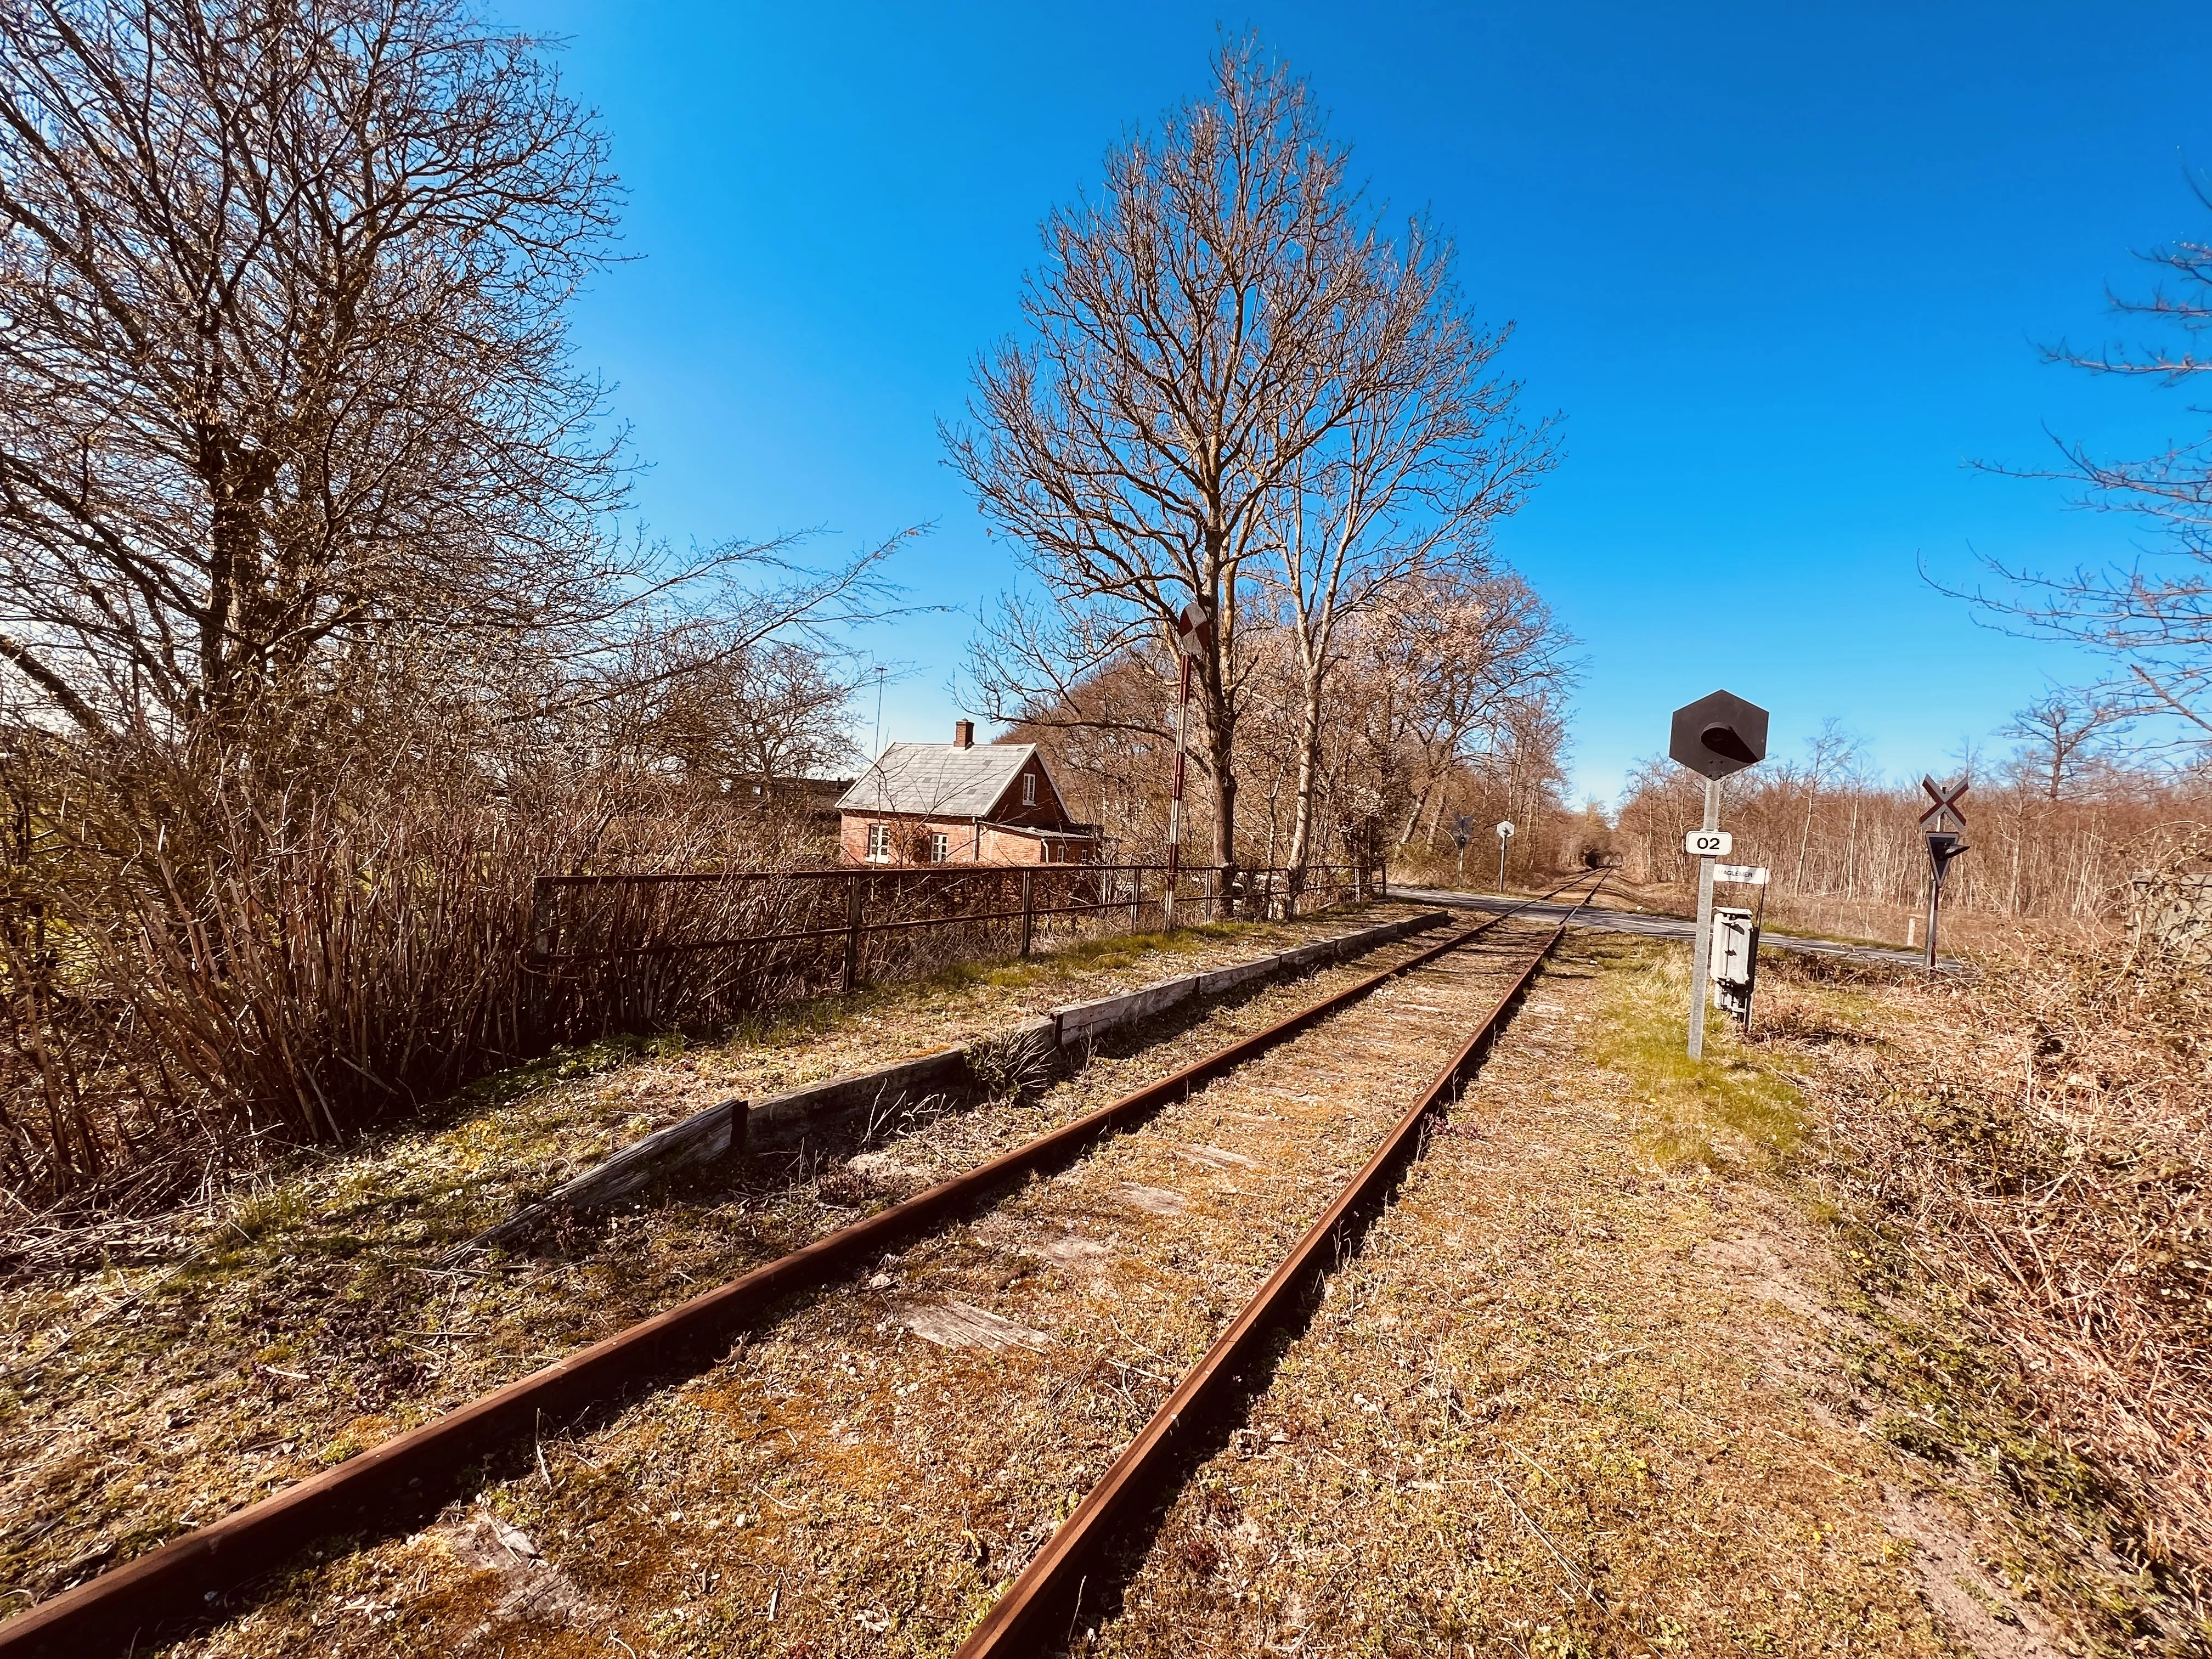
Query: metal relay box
1736	960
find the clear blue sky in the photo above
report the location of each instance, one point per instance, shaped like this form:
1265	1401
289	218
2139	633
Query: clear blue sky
1784	269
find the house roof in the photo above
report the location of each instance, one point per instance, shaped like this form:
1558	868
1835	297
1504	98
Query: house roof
939	779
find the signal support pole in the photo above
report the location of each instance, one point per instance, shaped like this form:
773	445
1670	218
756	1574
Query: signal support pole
1944	844
1701	953
1715	736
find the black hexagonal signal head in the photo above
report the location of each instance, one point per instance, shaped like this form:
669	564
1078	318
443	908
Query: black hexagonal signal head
1718	734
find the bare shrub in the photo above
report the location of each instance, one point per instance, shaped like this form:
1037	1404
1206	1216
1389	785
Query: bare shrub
2040	1137
194	967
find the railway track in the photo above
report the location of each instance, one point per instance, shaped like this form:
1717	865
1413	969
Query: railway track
1044	1602
1264	1127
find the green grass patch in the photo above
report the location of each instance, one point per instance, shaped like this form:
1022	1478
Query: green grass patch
1730	1111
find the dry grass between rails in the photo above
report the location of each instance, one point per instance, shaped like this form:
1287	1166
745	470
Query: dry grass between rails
200	1359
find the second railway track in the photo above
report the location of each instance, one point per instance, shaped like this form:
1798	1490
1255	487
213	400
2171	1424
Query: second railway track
989	1360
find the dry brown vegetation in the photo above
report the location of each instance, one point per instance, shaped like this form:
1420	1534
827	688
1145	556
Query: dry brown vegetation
2033	1143
321	640
1848	849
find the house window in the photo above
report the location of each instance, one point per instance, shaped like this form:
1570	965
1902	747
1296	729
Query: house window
879	843
1029	789
940	848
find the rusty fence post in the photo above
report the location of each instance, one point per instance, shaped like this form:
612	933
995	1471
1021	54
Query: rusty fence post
852	934
1136	898
1029	909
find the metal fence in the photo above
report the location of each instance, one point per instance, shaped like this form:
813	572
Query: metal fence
666	949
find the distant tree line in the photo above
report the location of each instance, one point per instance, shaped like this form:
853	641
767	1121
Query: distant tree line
2057	827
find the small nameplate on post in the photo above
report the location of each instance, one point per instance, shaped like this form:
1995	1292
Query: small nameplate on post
1709	843
1747	875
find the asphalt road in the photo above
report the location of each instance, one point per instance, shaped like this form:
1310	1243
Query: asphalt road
1653	926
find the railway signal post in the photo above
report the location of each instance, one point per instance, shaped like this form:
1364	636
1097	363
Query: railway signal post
1945	842
1194	634
1715	736
1505	836
1463	831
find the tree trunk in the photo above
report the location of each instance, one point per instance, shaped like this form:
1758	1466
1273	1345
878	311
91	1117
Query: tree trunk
1804	841
1302	822
1220	750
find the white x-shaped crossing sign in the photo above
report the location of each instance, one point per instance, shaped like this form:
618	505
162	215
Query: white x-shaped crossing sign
1947	801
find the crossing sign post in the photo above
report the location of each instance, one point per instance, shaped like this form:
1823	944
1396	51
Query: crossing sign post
1463	831
1504	835
1944	825
1715	737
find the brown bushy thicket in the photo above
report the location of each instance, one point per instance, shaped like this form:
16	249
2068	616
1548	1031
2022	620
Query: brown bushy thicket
2040	1137
1859	842
199	965
320	640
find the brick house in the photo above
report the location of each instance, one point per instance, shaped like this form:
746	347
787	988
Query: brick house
961	803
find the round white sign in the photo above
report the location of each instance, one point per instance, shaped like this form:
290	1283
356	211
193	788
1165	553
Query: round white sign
1505	829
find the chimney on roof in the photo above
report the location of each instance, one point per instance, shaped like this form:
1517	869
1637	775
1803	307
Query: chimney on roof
963	734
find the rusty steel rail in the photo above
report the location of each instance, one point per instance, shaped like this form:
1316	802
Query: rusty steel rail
409	1477
1040	1605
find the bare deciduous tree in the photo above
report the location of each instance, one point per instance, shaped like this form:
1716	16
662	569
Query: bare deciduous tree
2153	616
1833	754
2059	734
1408	484
1453	665
316	645
1195	334
282	365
